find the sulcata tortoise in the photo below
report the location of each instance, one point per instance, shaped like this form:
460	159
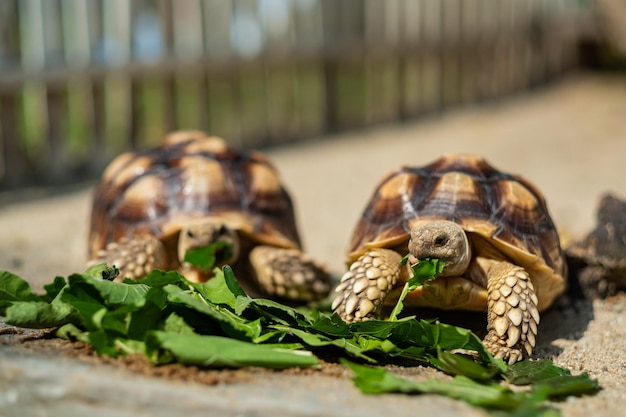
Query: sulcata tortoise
598	260
152	206
493	231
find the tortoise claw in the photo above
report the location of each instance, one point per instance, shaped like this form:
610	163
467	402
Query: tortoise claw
289	273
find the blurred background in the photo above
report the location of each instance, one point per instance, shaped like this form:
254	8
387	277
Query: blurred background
82	80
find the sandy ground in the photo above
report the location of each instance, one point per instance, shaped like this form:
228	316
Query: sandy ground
569	139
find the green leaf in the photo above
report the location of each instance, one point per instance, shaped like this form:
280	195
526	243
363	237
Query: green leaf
113	294
167	318
549	380
231	323
33	311
528	372
216	290
14	288
54	288
273	311
206	257
176	324
38	314
159	279
71	332
232	283
423	271
456	364
376	380
216	351
331	326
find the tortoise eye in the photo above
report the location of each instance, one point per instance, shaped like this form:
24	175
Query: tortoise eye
190	234
440	240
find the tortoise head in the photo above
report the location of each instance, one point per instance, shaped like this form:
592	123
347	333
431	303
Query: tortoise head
204	232
444	240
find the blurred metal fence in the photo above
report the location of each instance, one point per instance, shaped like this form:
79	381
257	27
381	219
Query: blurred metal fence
81	80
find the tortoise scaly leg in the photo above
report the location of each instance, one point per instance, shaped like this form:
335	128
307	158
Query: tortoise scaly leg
363	289
512	315
289	273
135	257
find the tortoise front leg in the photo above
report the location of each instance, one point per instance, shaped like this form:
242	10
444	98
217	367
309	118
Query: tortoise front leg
363	289
135	257
512	315
289	273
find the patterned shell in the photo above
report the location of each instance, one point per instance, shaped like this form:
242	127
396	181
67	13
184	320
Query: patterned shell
190	176
500	212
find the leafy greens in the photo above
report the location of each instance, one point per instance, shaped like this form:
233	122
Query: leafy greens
215	324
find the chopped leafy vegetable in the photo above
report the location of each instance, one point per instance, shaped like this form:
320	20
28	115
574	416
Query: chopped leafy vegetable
490	395
216	324
423	271
206	257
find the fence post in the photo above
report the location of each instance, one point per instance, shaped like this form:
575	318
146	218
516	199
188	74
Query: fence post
329	20
13	158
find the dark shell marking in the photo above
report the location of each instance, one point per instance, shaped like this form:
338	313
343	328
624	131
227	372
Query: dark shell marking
506	209
190	176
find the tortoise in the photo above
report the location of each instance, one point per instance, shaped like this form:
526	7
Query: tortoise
598	260
152	206
501	250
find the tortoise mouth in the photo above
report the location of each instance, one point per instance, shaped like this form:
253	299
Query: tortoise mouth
224	255
448	293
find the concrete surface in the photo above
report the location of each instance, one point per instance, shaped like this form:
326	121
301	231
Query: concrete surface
569	139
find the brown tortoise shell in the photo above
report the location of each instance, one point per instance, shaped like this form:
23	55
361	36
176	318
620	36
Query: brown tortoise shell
503	214
192	175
